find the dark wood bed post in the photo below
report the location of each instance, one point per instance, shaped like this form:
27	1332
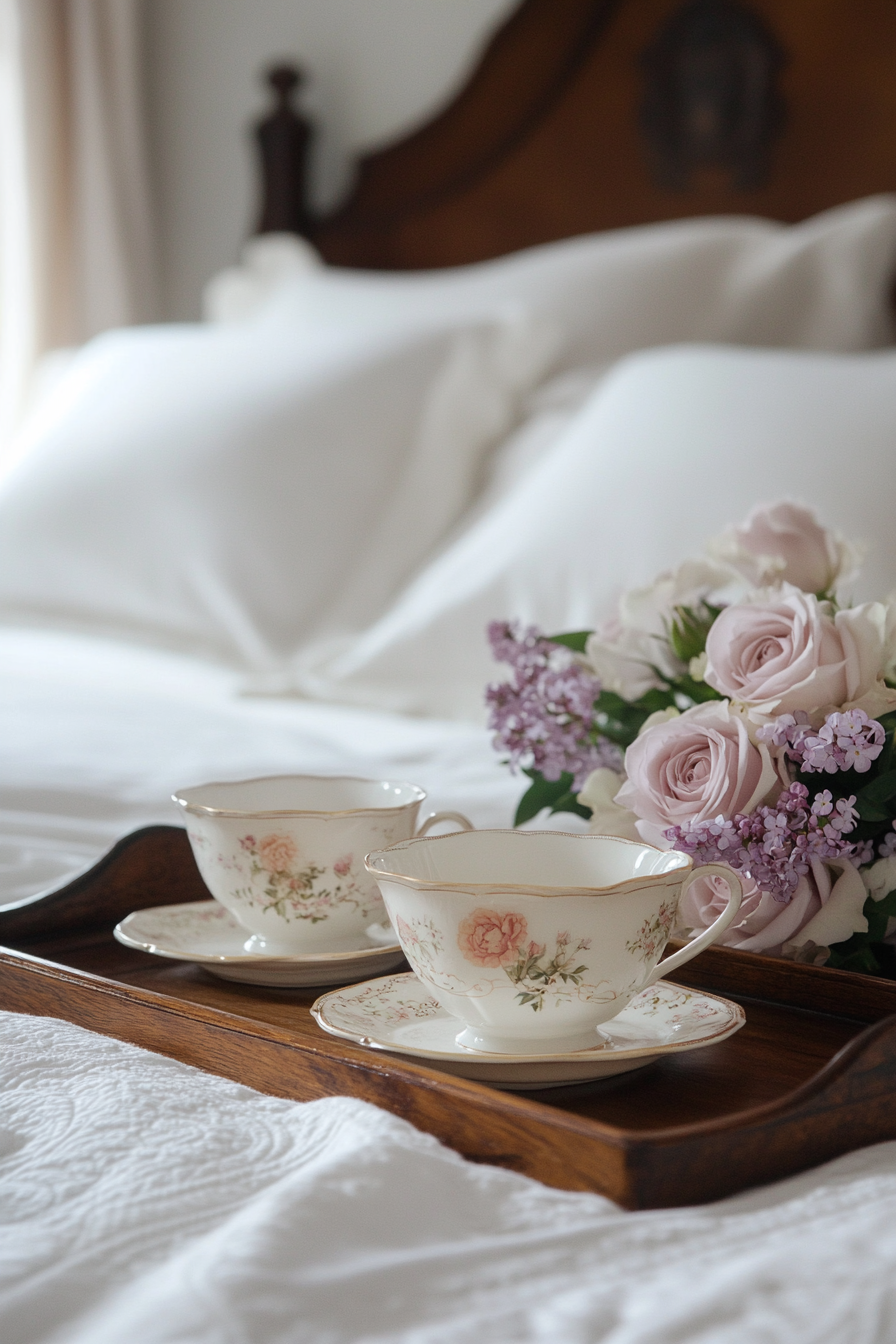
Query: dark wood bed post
283	138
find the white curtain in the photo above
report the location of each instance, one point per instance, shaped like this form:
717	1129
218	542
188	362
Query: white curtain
76	247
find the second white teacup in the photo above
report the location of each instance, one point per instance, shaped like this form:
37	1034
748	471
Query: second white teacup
533	938
285	854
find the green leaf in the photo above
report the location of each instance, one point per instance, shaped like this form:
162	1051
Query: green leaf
568	802
656	698
862	960
614	705
866	952
575	640
689	628
872	799
540	794
882	789
620	720
698	691
879	913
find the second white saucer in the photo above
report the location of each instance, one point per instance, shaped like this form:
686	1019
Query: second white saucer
398	1014
208	935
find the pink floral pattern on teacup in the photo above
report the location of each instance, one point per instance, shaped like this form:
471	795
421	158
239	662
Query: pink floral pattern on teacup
654	933
277	853
488	938
284	880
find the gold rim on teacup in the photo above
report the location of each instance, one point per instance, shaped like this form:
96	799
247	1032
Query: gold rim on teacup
684	862
418	796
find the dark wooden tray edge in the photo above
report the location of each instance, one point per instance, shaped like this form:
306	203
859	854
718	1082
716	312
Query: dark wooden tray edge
159	859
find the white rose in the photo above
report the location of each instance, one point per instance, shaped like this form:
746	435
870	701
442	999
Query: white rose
880	877
626	649
890	638
607	817
880	880
839	886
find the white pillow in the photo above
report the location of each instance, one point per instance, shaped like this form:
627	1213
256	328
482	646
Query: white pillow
231	491
673	446
824	284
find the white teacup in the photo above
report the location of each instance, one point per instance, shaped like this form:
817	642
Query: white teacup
285	854
533	938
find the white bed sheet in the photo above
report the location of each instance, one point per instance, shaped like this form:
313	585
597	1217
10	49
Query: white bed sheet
143	1201
95	735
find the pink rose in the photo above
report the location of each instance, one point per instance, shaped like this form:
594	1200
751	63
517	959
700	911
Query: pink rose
342	867
785	542
785	651
276	853
826	908
694	767
489	939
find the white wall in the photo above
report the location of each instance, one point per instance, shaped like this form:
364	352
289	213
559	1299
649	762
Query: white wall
376	68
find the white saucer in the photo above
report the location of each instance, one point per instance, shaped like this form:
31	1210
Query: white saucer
398	1014
205	933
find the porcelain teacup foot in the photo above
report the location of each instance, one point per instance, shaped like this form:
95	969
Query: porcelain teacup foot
487	1042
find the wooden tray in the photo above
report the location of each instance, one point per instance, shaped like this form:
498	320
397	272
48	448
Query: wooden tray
810	1076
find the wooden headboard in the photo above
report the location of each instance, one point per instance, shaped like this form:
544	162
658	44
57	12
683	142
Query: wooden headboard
596	114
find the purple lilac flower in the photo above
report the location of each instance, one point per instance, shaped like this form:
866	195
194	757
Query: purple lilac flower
774	845
544	717
864	853
847	741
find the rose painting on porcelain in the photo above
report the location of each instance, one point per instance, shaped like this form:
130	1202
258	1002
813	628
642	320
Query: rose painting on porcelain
493	938
740	710
297	888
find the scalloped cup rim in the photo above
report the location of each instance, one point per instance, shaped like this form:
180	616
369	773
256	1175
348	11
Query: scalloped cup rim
450	885
181	798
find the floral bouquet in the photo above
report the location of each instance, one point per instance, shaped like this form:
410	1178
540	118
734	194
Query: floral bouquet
739	710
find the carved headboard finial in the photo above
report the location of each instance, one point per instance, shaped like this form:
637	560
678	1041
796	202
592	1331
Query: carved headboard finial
283	137
712	93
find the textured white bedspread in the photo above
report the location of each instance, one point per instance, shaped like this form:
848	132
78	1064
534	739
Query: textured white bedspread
142	1201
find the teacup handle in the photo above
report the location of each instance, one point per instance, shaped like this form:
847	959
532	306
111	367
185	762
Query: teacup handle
715	930
435	817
